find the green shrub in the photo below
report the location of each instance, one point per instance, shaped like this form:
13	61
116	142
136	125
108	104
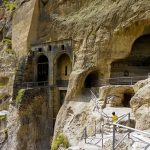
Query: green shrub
9	5
9	51
60	140
2	118
2	85
7	41
20	95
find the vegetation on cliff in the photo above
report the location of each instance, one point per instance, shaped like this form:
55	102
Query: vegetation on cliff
9	5
60	141
20	95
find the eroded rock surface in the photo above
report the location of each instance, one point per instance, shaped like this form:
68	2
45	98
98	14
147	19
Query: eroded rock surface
140	104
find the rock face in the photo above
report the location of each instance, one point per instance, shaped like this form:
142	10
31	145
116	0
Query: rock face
30	125
115	95
101	31
140	104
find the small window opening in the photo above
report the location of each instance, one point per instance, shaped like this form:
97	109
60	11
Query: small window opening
50	47
40	49
62	47
66	71
126	73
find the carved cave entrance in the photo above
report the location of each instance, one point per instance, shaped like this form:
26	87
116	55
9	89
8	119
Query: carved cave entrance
126	99
92	80
42	68
137	63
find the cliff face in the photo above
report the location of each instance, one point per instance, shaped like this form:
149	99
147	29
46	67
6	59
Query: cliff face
101	31
7	56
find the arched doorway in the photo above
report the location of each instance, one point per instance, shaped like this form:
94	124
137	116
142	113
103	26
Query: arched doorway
137	63
64	68
92	80
42	68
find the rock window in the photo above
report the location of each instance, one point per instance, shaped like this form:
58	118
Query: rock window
40	49
49	47
126	73
66	71
63	47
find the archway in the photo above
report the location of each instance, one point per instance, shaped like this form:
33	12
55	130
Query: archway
42	68
92	80
137	63
64	68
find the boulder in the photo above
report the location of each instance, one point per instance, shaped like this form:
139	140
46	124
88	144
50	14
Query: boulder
140	104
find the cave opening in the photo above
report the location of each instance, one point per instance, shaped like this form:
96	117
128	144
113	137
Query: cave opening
42	68
92	80
126	99
138	61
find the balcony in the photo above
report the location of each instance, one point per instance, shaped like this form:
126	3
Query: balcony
62	83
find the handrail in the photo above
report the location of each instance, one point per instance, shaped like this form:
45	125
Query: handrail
105	115
121	117
143	132
125	127
34	84
122	139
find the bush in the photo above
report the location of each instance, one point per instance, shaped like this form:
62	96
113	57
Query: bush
7	41
9	51
60	140
2	118
9	5
20	95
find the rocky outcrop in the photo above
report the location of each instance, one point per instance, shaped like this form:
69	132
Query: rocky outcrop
140	104
101	32
30	125
114	95
24	31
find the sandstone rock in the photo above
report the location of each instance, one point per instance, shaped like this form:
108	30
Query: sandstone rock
114	95
140	84
140	104
2	12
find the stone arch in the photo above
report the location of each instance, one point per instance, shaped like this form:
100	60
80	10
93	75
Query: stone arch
63	67
42	68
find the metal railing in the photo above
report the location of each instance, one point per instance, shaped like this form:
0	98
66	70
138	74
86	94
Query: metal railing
125	80
29	85
117	81
62	83
117	124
